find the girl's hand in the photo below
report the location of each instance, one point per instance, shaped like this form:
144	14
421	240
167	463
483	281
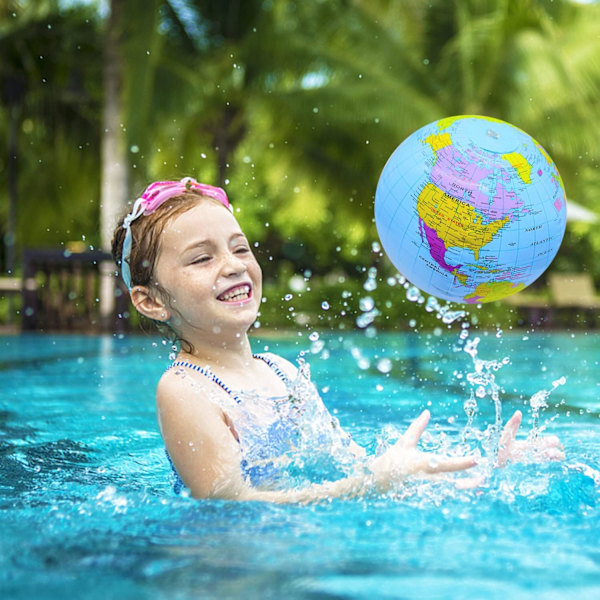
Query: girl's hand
404	459
539	449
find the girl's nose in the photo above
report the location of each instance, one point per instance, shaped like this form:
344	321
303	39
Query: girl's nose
233	265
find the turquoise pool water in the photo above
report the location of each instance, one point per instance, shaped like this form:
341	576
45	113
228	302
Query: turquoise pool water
86	510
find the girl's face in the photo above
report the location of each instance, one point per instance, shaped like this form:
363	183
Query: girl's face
207	268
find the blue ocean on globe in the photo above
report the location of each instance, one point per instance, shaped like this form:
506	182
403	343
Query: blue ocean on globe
470	209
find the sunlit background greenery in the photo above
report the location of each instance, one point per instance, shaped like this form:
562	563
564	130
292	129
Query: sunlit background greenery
294	107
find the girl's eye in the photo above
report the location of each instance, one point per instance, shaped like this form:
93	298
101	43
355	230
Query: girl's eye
201	259
242	250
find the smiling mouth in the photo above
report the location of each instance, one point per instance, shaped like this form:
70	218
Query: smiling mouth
236	294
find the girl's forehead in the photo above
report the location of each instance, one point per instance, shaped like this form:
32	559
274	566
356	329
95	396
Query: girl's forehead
206	219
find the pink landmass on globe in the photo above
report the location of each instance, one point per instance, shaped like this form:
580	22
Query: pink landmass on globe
437	248
452	166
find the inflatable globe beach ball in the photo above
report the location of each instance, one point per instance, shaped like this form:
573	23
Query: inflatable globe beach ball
470	209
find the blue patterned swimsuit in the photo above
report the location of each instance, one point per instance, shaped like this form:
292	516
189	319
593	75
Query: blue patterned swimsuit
285	441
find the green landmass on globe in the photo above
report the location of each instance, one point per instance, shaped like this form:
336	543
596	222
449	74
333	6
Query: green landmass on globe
470	209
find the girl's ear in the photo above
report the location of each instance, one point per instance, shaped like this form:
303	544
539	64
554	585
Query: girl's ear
149	304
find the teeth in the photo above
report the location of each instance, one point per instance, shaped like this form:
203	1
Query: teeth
237	294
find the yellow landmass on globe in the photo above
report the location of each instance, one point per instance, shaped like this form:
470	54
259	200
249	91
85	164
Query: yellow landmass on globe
445	123
543	152
555	174
455	222
438	141
460	276
494	290
520	164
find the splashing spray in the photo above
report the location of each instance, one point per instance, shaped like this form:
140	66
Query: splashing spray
483	382
539	401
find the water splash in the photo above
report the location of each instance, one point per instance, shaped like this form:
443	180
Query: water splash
483	383
539	401
469	406
371	283
368	312
432	304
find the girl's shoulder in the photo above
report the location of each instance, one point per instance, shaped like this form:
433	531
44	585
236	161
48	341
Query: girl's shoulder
178	383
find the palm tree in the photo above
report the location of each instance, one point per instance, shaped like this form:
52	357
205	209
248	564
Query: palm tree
115	167
50	99
381	69
296	105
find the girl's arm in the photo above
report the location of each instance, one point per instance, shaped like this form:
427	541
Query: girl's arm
207	456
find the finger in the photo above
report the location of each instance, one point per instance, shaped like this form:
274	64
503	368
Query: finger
415	430
445	464
510	429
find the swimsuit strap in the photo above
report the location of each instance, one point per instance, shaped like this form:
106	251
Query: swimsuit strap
273	366
208	373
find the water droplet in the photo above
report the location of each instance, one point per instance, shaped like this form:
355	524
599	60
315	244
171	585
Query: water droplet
413	293
317	346
384	365
366	304
363	363
370	284
453	315
432	304
325	305
366	318
370	332
561	381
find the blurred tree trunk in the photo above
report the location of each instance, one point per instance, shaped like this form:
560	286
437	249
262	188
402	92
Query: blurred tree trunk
115	191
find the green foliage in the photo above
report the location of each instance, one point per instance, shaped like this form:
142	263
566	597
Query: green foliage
335	302
51	88
294	107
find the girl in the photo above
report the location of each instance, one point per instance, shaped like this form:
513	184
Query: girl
238	425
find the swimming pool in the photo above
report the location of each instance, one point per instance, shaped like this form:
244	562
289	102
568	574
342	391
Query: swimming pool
87	510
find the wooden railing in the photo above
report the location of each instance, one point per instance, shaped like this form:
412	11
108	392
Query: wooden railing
61	292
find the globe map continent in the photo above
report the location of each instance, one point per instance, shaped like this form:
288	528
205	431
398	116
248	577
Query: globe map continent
470	209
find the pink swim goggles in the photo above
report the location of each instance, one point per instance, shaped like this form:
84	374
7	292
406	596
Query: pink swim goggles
154	195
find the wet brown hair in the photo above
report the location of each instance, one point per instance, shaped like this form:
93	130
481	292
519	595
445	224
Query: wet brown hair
145	247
